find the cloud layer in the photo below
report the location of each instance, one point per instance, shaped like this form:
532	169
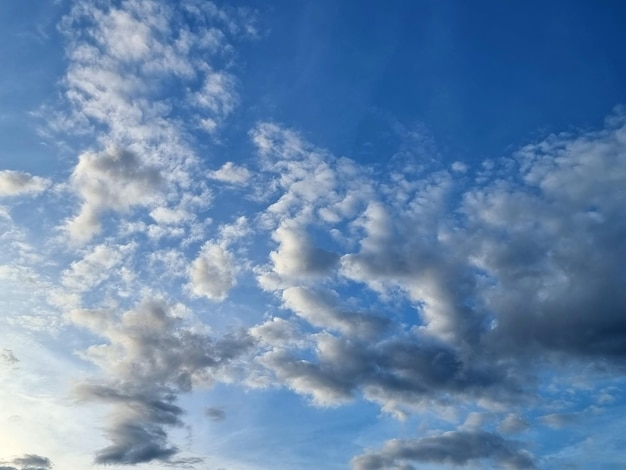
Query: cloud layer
454	293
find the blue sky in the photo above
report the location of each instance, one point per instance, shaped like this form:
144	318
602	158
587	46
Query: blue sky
317	234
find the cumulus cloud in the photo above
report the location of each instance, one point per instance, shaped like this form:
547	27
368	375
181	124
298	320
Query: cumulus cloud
231	174
212	273
148	359
297	256
319	308
518	265
14	183
451	448
111	180
506	272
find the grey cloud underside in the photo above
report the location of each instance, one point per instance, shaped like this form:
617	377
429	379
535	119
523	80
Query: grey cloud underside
27	462
515	269
149	358
451	448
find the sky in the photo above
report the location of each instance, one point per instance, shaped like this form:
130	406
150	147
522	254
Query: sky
312	234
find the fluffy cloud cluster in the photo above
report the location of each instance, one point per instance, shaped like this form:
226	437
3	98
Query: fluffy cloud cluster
416	287
516	263
149	357
114	180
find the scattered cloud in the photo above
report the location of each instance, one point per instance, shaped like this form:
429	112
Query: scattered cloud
451	448
112	180
231	174
212	274
460	290
14	183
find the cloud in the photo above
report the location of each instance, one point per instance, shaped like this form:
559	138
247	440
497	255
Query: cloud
94	267
149	358
399	373
27	462
560	420
451	448
7	358
15	183
231	174
167	216
513	424
212	273
215	414
507	270
318	308
297	256
124	62
111	180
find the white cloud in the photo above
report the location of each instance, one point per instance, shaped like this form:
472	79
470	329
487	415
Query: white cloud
231	173
116	180
212	273
167	216
13	183
95	267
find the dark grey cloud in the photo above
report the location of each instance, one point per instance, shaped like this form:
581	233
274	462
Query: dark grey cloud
150	357
451	448
27	462
409	370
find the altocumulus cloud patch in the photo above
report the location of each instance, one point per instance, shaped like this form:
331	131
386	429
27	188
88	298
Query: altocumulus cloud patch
207	282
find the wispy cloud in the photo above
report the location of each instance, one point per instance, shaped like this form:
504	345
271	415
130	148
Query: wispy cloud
14	183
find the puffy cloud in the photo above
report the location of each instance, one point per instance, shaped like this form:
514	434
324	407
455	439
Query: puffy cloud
13	183
319	309
277	332
149	358
111	180
451	448
297	256
231	174
212	273
167	216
